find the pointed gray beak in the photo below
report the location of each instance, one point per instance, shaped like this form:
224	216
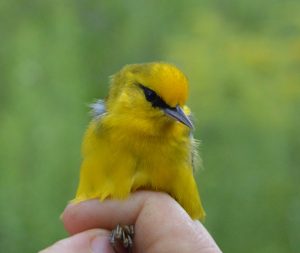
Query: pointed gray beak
178	114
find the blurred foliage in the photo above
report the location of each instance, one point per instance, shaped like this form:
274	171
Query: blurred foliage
243	61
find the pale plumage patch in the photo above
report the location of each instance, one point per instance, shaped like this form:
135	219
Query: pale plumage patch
98	108
195	157
196	160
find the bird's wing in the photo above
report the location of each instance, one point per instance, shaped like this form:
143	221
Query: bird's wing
98	108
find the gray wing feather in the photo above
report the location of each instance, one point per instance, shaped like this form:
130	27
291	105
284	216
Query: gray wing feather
196	160
98	108
195	157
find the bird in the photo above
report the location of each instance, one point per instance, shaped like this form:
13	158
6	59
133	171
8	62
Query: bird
141	137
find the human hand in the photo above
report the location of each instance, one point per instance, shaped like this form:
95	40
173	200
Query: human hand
161	225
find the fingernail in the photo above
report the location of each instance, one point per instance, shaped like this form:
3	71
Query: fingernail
100	244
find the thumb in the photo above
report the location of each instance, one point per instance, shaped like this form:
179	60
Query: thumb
90	241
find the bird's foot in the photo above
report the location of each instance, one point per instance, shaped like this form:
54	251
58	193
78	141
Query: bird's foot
122	235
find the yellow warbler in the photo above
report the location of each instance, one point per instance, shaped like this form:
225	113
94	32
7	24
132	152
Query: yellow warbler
140	138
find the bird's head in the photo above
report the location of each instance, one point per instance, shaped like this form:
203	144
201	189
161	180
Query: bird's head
150	93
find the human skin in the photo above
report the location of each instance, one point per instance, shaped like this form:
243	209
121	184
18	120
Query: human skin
161	225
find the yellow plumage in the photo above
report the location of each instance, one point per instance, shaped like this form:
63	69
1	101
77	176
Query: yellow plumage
140	138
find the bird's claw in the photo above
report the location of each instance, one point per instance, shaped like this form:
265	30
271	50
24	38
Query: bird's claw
124	235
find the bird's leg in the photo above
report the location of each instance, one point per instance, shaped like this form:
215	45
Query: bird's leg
124	235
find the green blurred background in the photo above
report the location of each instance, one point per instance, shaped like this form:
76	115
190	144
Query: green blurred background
243	62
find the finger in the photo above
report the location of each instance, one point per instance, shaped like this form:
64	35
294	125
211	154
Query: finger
160	222
107	214
91	241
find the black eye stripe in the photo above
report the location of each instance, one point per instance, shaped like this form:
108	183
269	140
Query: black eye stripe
153	98
149	94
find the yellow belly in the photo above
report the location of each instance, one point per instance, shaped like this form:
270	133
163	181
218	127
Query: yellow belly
115	170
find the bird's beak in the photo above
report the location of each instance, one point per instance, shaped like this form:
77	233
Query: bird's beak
178	114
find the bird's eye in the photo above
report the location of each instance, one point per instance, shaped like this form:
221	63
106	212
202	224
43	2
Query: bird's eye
153	98
149	94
